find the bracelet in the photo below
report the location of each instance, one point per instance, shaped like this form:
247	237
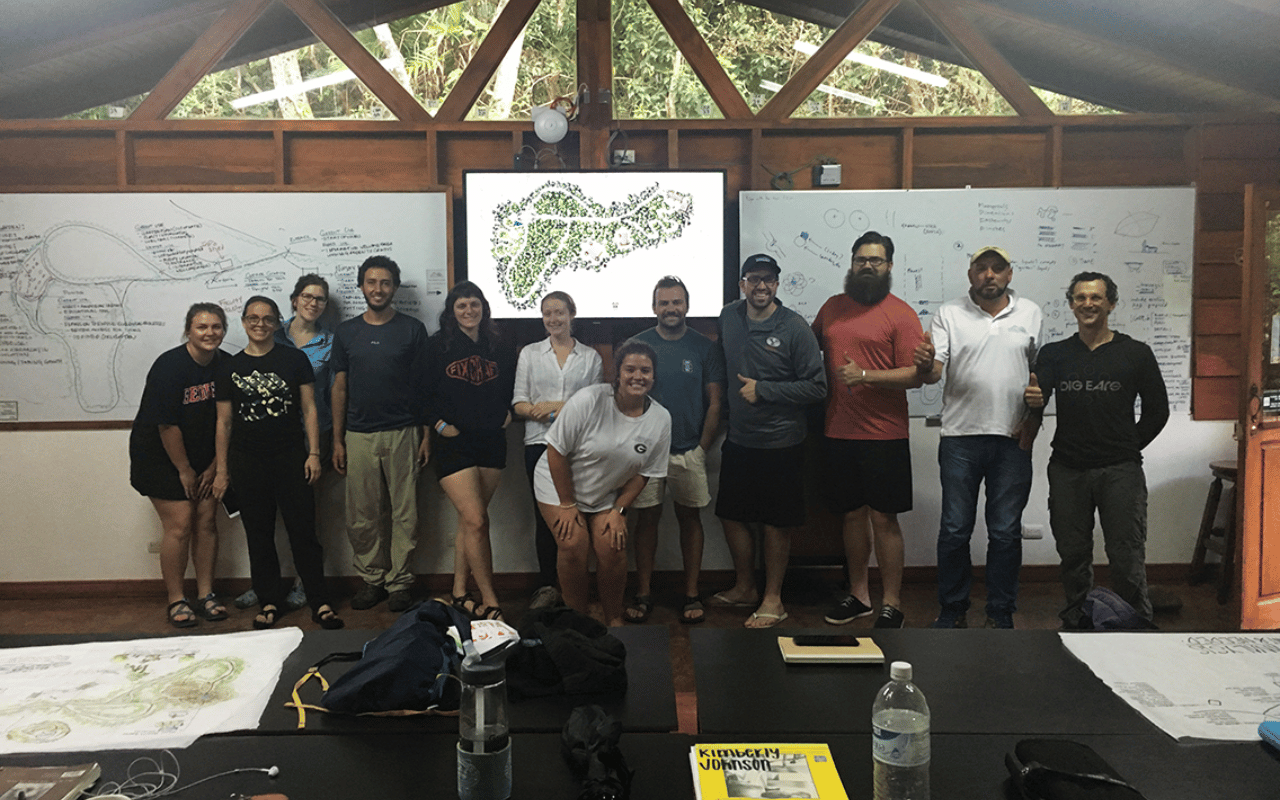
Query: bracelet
313	454
440	426
864	376
567	506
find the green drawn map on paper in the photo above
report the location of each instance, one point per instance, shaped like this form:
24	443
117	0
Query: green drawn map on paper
150	691
142	693
557	227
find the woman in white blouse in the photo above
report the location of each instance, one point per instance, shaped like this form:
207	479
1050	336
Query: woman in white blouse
547	374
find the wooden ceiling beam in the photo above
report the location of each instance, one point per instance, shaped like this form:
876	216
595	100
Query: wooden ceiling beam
502	34
985	58
704	62
207	51
856	27
331	30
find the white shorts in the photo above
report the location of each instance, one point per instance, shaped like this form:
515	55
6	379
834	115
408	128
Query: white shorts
687	479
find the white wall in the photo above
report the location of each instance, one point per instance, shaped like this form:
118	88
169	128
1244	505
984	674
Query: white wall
70	514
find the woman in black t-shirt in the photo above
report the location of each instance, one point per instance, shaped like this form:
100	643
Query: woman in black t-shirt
470	379
268	448
171	460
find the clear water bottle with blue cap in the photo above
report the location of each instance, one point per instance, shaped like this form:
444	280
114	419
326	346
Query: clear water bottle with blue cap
900	738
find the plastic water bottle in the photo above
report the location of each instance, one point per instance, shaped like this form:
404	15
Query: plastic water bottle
900	739
484	744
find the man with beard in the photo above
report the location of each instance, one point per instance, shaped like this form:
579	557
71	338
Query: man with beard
379	441
1097	449
869	338
689	382
985	342
774	370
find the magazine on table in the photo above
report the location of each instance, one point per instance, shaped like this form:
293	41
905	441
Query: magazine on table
731	771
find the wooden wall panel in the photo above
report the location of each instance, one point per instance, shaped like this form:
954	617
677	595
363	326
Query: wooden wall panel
1220	247
1221	212
1217	281
981	158
650	147
478	150
1258	140
167	160
1217	317
727	150
1125	157
1216	398
870	160
1218	356
1231	175
353	160
62	159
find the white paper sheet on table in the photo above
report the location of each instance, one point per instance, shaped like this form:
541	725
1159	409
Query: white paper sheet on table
1192	685
139	693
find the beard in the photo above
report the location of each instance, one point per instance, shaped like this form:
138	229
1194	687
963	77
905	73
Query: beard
867	288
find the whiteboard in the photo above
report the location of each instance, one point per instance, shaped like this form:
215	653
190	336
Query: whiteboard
1141	237
94	286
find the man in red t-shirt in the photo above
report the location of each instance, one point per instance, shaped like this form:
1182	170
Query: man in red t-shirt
868	337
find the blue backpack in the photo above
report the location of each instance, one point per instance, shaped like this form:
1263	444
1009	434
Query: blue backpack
410	668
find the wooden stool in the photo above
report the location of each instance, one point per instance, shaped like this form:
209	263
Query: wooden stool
1220	539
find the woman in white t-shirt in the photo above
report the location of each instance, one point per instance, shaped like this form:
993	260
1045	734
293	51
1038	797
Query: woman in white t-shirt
604	446
547	374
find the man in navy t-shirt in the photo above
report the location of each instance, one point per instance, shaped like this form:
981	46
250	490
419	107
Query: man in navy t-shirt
379	441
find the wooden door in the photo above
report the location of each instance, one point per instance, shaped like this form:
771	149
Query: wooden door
1259	510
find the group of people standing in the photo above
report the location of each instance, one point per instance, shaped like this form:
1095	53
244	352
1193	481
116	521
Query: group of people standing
379	400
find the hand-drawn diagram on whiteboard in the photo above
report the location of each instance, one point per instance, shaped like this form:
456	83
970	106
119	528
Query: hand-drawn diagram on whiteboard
141	693
603	237
1141	237
1201	686
558	227
94	286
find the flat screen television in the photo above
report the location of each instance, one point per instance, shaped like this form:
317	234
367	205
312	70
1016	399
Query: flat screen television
604	237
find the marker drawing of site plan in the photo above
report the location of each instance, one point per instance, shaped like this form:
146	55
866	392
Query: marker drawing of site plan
142	693
557	227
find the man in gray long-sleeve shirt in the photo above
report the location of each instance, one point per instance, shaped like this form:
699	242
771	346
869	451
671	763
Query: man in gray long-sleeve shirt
774	370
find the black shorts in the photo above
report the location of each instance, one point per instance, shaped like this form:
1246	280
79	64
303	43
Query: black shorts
158	480
486	448
761	485
868	472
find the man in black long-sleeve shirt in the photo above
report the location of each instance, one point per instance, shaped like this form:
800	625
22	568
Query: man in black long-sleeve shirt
1097	449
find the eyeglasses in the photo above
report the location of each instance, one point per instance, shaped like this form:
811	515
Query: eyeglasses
756	280
873	261
270	322
313	298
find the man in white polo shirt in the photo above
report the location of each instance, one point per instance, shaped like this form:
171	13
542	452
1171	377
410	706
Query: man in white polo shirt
985	343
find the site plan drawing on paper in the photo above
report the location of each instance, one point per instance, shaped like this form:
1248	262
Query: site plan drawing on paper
141	693
93	287
1193	686
558	227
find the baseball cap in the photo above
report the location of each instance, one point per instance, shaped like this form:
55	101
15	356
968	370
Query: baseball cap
760	261
991	249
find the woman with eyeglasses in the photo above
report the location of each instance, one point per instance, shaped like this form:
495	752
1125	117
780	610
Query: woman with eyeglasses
470	374
605	444
171	460
310	300
548	373
268	448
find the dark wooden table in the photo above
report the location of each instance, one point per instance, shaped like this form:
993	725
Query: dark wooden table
976	681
